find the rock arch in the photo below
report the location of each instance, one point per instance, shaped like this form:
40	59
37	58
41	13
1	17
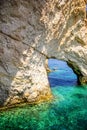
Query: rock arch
30	33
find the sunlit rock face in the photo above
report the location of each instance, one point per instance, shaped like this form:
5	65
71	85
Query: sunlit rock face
31	32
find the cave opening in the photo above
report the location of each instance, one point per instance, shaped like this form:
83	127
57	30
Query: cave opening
61	74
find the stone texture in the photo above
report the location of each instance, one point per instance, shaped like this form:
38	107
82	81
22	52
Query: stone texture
30	33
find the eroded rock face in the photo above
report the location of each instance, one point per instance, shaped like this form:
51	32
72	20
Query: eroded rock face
31	32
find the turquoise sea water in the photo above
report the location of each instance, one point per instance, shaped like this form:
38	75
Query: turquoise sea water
67	111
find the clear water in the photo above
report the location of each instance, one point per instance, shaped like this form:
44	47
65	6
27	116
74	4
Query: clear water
62	74
68	111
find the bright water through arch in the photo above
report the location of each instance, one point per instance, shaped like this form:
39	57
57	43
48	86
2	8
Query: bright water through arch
62	74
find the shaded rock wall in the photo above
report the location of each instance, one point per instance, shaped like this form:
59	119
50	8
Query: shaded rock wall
30	33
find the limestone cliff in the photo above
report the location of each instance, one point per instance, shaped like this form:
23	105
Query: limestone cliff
31	31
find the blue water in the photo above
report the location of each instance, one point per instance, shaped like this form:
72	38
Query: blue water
67	110
61	74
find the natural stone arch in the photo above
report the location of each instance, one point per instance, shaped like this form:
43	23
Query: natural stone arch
30	32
